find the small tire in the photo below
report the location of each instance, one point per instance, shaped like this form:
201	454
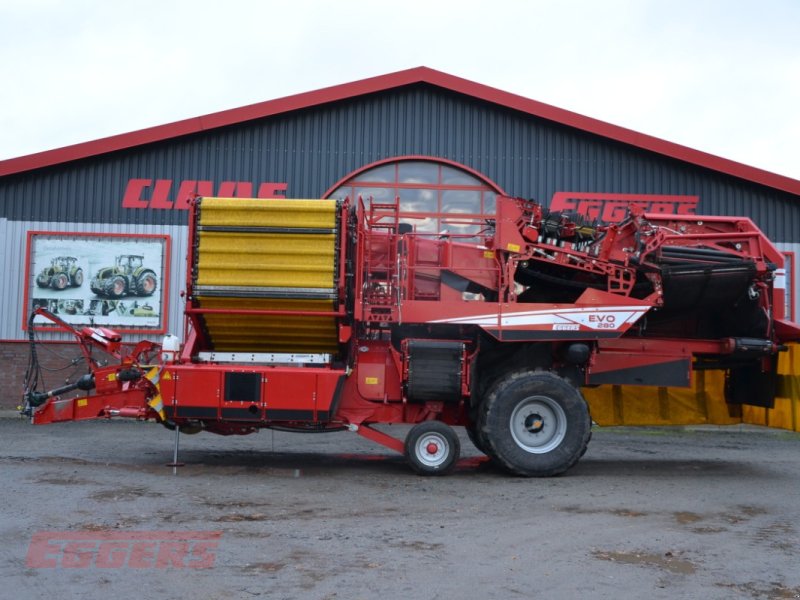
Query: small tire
535	423
77	278
115	287
432	448
60	281
146	284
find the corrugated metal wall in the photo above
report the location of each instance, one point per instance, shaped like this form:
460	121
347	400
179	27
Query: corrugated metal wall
14	234
313	148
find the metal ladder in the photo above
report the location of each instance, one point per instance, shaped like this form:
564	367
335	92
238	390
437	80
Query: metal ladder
381	266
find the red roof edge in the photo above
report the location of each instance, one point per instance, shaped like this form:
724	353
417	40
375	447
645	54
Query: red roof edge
387	82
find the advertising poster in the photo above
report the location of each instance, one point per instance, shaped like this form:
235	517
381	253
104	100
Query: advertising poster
117	280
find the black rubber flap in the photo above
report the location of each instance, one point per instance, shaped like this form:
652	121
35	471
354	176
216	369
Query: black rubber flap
434	370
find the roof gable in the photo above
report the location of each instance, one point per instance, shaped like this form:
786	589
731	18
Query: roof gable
387	82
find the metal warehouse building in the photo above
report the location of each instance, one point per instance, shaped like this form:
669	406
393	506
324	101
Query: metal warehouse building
440	143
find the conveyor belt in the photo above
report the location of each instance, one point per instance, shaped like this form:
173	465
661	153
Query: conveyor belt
271	333
274	213
280	264
267	255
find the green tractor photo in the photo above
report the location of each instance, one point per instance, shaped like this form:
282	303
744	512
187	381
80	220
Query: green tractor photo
62	273
128	277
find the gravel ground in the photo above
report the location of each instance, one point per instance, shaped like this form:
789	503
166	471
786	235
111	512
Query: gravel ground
657	513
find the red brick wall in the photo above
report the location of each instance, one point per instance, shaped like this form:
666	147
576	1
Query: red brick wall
52	357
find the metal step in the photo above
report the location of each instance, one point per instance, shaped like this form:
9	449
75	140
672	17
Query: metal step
265	358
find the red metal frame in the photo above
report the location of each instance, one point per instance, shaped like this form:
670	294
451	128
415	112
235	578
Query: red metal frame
80	234
116	395
411	287
383	83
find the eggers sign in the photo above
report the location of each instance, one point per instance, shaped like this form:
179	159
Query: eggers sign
612	208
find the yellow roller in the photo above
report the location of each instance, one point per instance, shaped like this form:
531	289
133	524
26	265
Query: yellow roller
266	259
268	213
271	333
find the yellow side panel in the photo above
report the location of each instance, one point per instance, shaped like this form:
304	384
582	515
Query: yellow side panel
266	259
634	405
267	213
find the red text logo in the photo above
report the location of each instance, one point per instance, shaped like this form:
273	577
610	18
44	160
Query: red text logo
159	194
120	550
612	208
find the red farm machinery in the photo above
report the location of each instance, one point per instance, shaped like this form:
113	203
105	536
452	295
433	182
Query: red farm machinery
325	315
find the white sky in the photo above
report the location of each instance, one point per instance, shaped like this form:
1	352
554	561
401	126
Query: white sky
722	76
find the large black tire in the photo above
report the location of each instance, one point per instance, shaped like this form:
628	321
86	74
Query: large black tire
115	287
432	448
474	435
60	281
77	278
146	284
535	423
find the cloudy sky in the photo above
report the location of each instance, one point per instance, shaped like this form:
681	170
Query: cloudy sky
718	76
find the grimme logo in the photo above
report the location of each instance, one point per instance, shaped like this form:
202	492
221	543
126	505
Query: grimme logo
612	208
146	193
121	550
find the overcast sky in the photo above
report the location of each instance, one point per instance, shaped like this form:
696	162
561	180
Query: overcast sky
718	76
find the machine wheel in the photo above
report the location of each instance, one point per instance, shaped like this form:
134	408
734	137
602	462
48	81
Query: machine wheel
60	281
535	424
432	448
115	287
77	278
474	435
146	284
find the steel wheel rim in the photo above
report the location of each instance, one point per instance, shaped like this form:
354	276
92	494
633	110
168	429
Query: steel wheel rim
432	459
538	424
